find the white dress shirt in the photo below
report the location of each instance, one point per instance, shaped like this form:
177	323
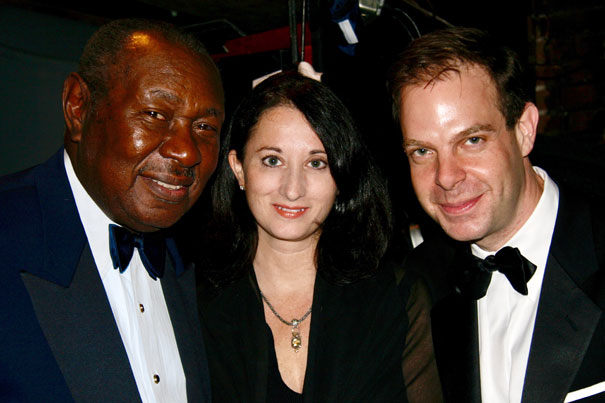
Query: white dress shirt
138	306
506	318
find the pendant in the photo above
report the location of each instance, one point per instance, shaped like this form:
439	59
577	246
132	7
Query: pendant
296	341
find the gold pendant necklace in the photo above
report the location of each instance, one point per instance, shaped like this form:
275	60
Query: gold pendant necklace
296	341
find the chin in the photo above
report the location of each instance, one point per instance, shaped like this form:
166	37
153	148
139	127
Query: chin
463	234
150	224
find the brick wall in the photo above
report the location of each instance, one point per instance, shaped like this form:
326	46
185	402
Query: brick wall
567	51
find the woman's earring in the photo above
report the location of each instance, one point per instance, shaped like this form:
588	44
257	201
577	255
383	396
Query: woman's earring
242	187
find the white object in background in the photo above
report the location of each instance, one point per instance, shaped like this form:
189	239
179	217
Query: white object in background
348	31
307	70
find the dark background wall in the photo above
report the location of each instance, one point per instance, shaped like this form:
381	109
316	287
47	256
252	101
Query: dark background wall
562	43
37	51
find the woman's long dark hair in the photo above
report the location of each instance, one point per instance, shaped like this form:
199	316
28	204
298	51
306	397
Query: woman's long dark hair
355	234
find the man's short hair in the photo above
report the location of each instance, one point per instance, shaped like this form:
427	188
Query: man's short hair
103	50
430	57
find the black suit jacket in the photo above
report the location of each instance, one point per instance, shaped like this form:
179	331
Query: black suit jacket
58	338
567	350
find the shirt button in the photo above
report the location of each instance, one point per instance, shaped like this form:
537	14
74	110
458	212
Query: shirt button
141	308
156	378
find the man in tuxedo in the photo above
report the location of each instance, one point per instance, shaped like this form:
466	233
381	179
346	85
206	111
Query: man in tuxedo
525	324
97	305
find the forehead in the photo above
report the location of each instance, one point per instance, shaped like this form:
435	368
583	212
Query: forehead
467	96
148	60
466	78
286	126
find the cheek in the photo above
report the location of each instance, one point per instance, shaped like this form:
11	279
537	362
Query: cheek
209	161
260	185
422	181
325	191
139	143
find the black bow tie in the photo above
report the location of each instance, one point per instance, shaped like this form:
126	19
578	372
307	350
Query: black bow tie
472	275
151	246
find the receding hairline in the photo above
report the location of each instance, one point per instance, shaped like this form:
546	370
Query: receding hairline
110	47
434	74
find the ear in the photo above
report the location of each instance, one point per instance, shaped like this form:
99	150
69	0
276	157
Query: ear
76	105
237	168
526	128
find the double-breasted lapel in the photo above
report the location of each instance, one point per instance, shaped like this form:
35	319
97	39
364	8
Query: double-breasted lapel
352	352
69	299
41	237
75	316
178	286
567	317
82	334
453	321
456	344
236	340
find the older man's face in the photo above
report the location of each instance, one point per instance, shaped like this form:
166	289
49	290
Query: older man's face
150	146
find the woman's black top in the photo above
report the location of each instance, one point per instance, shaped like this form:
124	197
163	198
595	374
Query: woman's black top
369	341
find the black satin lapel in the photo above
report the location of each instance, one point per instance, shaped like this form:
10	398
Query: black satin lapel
564	326
81	331
321	298
254	337
180	296
61	222
456	343
353	351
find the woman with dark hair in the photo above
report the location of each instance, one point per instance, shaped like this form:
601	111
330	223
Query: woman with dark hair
297	304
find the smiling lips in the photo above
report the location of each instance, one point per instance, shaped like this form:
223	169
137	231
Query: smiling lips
459	208
290	212
174	192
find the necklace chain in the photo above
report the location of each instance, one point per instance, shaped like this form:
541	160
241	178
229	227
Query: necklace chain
296	341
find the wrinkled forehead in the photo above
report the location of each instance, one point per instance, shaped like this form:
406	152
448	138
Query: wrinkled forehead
147	53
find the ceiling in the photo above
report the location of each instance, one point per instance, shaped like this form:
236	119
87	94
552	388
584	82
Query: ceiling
246	16
217	20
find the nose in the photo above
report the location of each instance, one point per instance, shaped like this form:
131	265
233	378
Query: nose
293	184
450	172
182	146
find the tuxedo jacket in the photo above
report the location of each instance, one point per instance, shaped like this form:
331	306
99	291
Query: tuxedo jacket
567	350
59	341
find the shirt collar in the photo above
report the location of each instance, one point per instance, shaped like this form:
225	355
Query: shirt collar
534	237
94	220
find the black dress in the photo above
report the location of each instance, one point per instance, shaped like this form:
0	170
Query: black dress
365	338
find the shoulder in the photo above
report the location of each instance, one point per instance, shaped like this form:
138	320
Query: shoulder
224	301
20	222
431	261
578	243
20	215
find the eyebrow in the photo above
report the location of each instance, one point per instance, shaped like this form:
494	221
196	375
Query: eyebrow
476	129
174	98
410	143
268	148
214	112
464	133
279	150
168	96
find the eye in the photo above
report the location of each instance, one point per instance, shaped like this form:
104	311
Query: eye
474	140
318	164
420	152
205	127
271	161
155	115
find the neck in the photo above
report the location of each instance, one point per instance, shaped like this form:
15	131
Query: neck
530	196
285	267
